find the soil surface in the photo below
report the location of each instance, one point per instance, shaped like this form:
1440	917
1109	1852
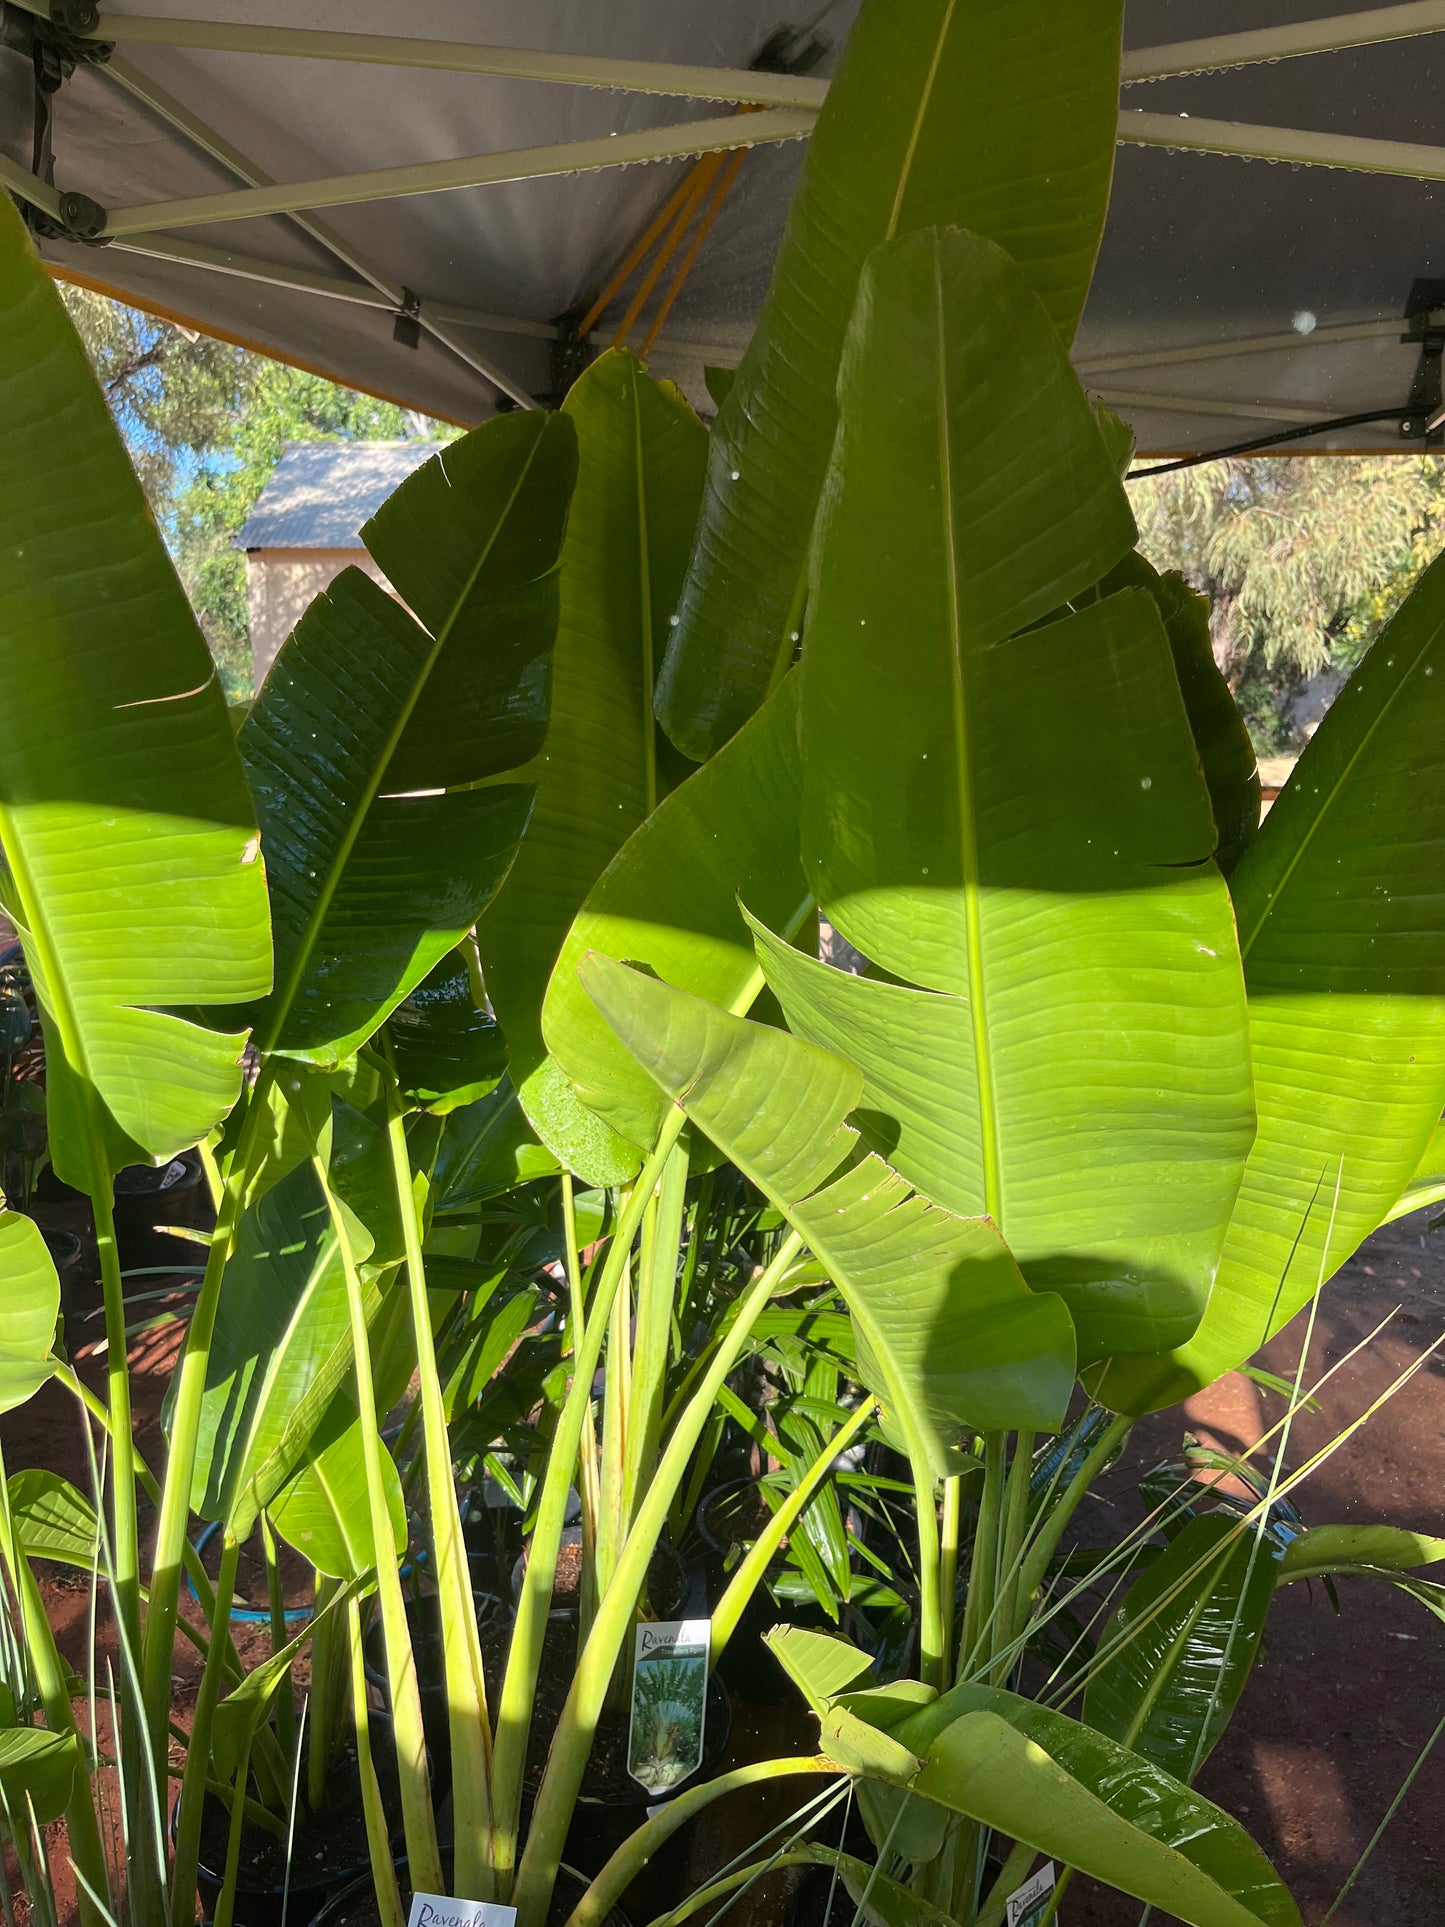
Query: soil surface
1332	1721
328	1842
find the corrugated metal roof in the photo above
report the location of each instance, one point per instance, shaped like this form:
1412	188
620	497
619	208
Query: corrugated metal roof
322	492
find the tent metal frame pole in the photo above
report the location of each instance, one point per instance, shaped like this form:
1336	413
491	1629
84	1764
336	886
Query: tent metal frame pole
512	63
1410	160
29	187
474	170
154	96
1325	35
280	274
1249	345
1328	35
1204	405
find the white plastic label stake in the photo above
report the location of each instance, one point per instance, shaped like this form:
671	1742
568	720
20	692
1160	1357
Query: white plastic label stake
436	1910
1027	1907
669	1702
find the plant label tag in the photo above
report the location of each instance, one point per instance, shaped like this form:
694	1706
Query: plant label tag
669	1702
436	1910
1027	1907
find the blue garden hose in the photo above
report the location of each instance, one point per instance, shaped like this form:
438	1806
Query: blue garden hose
245	1615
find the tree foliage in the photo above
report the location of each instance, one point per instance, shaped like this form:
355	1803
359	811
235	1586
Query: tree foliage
1303	559
205	423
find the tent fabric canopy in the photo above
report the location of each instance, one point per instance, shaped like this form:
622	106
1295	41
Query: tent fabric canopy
1278	192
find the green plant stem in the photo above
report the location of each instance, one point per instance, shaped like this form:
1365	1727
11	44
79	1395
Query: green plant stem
226	1903
378	1838
1016	1870
285	1701
193	1780
461	1646
729	1883
524	1657
1015	1527
51	1682
589	1484
656	1285
948	1570
125	1545
572	1741
639	1847
157	1653
322	1716
765	1548
616	1421
190	1558
983	1566
411	1760
1051	1530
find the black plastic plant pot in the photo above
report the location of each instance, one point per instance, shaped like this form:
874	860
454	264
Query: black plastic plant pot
50	1189
149	1198
67	1254
355	1905
606	1815
275	1903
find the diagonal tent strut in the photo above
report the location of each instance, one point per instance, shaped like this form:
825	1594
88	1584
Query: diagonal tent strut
1326	35
789	104
473	170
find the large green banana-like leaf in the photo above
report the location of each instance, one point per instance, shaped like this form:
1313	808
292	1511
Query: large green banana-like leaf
640	455
447	1051
51	1520
325	1512
371	883
29	1307
486	1148
1015	820
1080	1797
128	835
669	900
1340	901
1179	1649
281	1348
1226	753
1427	1180
1326	1550
948	1334
37	1774
990	116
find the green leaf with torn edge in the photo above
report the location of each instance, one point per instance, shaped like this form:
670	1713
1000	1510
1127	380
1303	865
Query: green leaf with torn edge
948	1334
1330	1551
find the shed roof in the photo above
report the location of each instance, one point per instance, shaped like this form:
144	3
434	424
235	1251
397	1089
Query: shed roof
322	492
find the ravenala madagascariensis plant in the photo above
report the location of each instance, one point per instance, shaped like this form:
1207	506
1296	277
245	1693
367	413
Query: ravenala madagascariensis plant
1125	1080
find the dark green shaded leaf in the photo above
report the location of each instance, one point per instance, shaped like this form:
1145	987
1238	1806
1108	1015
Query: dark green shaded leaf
1177	1653
123	811
991	117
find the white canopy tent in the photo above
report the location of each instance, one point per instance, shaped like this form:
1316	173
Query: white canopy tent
423	201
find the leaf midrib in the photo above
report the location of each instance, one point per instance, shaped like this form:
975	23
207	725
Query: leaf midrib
915	133
284	1001
963	775
644	600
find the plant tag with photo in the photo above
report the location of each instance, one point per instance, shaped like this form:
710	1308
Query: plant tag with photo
669	1702
436	1910
1027	1907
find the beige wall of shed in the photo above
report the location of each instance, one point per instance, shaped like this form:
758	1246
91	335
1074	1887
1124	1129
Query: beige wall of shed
279	585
